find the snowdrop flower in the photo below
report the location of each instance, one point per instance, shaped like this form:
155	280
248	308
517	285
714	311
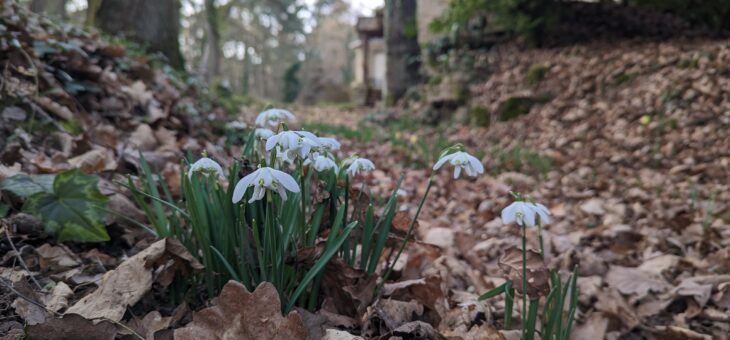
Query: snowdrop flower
236	125
523	213
273	117
329	143
206	166
461	160
262	179
323	163
263	133
358	165
294	143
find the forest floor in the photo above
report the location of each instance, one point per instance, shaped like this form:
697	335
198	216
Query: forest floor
627	146
632	156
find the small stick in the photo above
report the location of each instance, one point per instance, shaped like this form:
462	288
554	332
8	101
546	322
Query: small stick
20	258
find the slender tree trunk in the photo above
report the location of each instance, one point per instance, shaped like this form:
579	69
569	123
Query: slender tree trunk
52	8
93	7
401	48
152	23
210	63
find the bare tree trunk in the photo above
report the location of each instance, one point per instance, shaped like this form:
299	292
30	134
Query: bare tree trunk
52	8
401	48
92	8
153	23
209	67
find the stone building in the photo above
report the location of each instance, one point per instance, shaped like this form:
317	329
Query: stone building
369	62
386	48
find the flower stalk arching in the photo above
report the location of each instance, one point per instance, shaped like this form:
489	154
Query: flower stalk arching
408	234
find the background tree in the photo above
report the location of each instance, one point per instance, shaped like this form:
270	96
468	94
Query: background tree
154	24
401	48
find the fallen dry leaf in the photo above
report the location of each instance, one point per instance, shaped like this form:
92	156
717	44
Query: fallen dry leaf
133	278
635	281
95	160
538	276
72	327
243	315
55	259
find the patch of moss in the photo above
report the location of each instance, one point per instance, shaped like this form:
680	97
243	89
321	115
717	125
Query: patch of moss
693	63
623	78
518	106
435	80
536	74
479	116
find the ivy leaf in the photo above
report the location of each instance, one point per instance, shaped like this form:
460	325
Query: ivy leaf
74	210
25	186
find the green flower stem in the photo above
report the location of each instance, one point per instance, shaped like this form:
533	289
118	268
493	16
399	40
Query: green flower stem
408	234
539	237
524	278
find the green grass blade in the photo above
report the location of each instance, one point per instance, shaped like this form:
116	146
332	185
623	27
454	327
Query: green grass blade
494	292
531	319
509	302
226	264
319	265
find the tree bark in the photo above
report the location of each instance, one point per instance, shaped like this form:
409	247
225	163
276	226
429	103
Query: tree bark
152	23
401	48
209	67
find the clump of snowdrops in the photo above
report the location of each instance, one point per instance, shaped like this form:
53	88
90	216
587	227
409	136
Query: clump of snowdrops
252	222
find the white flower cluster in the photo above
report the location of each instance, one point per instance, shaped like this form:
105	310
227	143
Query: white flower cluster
289	146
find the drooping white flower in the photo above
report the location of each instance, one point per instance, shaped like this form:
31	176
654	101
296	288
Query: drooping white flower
323	163
273	117
329	143
358	165
461	160
207	166
294	143
262	179
263	133
236	125
523	213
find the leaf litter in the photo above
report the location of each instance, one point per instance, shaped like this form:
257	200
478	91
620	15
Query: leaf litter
639	190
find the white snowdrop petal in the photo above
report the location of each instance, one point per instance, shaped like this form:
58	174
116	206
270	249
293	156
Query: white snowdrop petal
508	214
286	180
457	172
442	160
529	217
476	164
242	185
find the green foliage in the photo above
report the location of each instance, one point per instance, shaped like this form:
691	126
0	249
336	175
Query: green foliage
714	14
536	74
292	85
410	30
480	116
623	78
528	18
521	159
4	209
25	186
457	14
514	107
73	210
